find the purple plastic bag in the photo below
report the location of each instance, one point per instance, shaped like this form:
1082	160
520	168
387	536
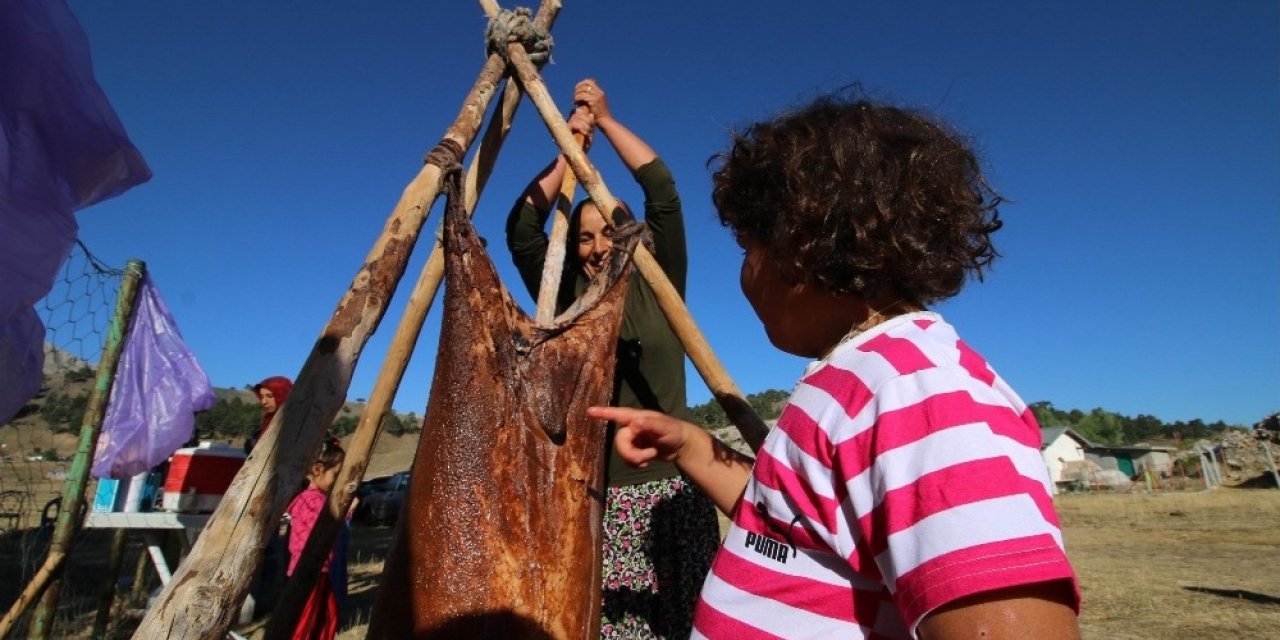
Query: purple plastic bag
158	389
62	148
21	338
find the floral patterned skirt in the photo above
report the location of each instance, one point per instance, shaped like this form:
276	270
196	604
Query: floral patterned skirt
659	540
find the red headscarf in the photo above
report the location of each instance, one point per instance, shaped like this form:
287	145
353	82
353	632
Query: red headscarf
279	386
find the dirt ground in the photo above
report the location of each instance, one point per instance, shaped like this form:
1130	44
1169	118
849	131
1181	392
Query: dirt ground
1198	565
1176	565
1184	565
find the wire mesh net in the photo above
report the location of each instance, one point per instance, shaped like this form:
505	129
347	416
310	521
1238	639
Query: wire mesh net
77	312
37	444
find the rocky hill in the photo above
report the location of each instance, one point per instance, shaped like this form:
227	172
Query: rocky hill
1250	456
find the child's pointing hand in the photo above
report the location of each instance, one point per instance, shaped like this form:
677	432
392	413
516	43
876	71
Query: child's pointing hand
642	435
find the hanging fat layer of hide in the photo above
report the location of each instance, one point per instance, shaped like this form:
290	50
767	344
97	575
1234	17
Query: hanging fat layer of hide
500	536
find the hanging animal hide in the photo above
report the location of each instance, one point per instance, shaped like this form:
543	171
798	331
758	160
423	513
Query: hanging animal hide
500	536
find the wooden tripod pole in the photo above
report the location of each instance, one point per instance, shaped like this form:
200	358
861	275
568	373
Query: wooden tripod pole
704	359
206	592
360	447
553	264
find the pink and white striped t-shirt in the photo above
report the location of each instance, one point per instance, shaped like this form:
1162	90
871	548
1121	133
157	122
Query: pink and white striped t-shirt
903	474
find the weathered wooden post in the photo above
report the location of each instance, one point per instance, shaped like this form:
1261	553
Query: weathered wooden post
360	446
553	262
107	593
207	589
1216	467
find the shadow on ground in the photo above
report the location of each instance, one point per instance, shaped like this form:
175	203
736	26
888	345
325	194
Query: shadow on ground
1237	594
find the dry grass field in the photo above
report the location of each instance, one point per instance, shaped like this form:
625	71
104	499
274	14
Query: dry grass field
1176	565
1189	565
1167	566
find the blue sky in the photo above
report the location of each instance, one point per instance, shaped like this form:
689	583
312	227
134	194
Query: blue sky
1138	142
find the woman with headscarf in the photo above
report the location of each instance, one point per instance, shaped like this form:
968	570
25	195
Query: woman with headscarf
271	394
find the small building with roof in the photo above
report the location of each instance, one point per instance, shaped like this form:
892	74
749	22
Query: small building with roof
1133	460
1064	453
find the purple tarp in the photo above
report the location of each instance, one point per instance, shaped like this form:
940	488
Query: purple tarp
158	388
62	148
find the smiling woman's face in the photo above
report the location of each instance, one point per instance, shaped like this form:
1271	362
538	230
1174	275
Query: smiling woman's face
595	241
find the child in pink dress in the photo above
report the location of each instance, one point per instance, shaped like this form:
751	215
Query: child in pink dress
319	619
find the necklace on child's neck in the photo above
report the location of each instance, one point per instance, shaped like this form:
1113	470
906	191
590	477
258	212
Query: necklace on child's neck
876	317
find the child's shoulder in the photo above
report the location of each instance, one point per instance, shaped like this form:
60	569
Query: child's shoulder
919	353
307	499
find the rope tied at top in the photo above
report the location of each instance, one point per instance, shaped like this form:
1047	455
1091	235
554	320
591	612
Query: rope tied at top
518	26
446	153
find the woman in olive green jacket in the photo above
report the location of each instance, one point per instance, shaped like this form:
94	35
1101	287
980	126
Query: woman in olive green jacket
660	531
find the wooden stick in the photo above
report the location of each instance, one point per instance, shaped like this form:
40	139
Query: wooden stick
108	588
553	264
704	359
360	447
44	586
205	593
33	590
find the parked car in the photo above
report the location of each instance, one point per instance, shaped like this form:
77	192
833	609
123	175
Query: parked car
381	498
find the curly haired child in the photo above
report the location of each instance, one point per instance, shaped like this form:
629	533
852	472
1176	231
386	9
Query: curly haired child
902	493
